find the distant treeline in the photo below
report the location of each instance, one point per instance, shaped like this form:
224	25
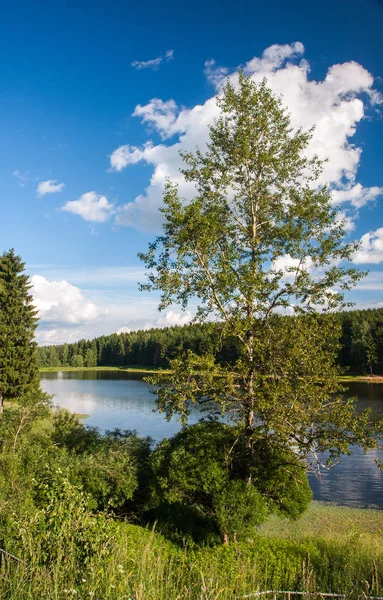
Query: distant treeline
361	345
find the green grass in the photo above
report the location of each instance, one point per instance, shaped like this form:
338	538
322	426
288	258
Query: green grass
129	369
331	549
362	378
331	522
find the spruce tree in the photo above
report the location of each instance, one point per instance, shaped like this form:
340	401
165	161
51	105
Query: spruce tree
19	375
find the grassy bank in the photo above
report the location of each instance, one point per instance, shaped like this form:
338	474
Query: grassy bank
330	549
362	378
332	522
129	369
150	370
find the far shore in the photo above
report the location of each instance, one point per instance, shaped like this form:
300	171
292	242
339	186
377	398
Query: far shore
363	378
152	370
127	369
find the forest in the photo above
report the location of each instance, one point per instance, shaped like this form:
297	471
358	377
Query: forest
360	352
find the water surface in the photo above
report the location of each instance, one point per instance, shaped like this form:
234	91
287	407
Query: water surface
120	399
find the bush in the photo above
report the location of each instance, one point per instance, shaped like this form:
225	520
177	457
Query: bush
202	467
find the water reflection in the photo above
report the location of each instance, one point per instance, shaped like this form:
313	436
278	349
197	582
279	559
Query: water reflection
121	399
111	399
94	375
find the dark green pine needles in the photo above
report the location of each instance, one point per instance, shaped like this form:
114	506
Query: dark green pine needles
19	376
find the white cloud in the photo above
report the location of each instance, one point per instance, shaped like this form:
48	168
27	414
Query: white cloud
371	248
123	330
50	186
62	318
348	220
61	302
154	63
216	75
173	317
357	195
128	155
273	58
91	207
162	115
290	266
334	105
59	335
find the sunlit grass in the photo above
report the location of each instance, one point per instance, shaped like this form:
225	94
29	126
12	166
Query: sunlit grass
331	549
129	369
330	521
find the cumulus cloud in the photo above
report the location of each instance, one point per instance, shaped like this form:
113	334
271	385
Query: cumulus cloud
153	63
216	75
173	317
59	335
347	219
91	207
61	302
123	330
357	195
371	248
50	186
335	105
291	266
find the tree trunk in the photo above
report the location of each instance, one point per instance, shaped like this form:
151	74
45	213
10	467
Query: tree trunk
249	430
1	403
249	446
225	539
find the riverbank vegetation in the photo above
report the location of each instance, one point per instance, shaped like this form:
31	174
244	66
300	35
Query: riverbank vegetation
78	512
134	563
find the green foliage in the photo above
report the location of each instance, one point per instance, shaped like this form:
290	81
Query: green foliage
132	562
281	478
203	466
19	377
48	520
239	508
112	469
77	361
62	519
70	433
259	238
41	452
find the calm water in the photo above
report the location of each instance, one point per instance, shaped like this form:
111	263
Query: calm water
118	399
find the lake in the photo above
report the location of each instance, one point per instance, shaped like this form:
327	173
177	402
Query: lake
119	399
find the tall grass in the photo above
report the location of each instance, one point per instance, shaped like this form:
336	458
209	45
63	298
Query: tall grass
131	562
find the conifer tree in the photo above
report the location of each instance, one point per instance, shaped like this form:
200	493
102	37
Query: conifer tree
19	375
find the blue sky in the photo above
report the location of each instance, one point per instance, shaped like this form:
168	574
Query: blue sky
96	99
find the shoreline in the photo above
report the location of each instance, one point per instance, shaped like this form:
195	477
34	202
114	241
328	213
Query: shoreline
153	370
126	369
